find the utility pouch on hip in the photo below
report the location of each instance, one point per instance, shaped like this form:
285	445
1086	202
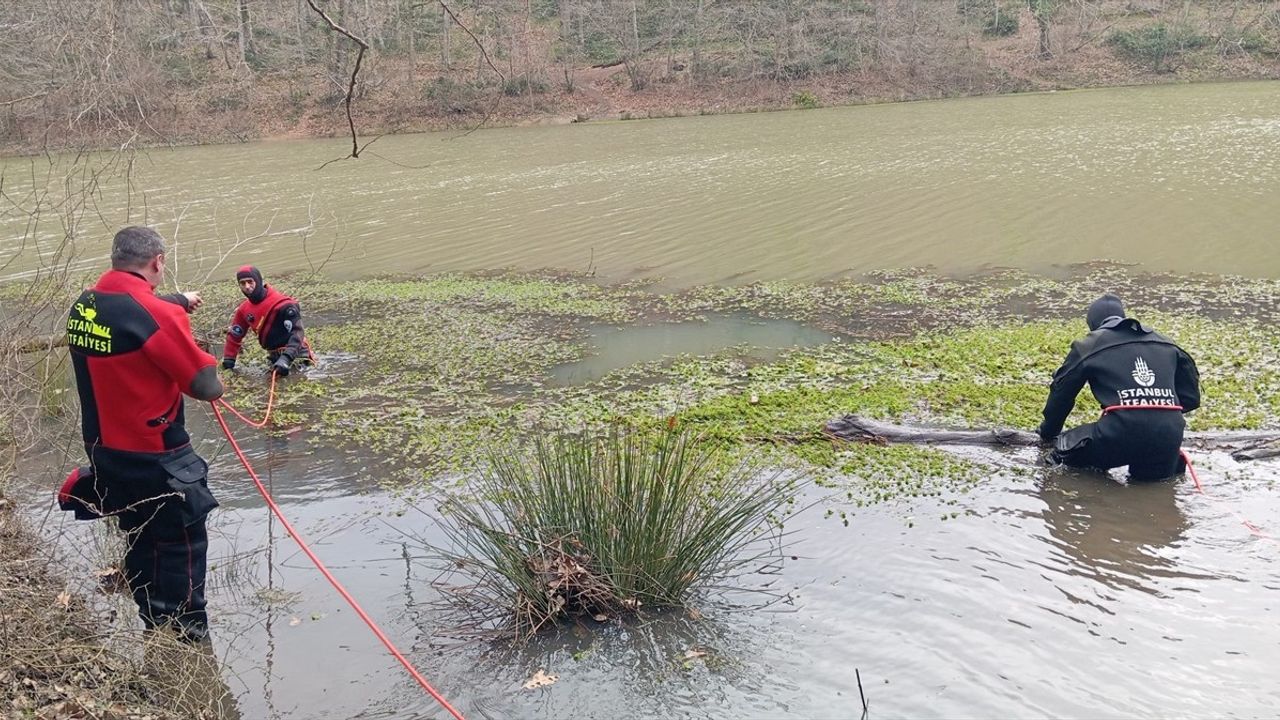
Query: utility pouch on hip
188	473
79	494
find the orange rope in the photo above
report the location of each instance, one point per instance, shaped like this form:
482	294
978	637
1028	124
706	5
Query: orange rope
275	509
1253	529
271	399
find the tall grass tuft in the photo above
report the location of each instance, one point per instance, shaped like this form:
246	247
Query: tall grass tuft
588	526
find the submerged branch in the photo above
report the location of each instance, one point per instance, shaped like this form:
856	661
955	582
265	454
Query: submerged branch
854	428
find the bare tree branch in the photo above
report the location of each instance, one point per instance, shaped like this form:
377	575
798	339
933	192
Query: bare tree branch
33	96
476	40
355	72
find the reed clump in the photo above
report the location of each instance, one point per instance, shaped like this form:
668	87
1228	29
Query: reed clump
603	526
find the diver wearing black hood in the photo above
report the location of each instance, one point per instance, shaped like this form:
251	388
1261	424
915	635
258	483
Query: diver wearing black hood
273	316
1144	384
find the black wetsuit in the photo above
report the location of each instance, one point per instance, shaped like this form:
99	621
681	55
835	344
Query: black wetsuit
1125	364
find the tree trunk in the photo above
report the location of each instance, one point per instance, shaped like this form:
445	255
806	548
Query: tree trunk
411	29
200	18
340	46
301	26
1044	52
570	51
246	39
1247	444
634	67
444	38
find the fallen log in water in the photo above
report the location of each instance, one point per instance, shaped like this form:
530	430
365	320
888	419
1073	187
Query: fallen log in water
1260	451
859	429
1246	444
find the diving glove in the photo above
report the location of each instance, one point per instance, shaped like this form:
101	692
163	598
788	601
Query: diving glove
281	366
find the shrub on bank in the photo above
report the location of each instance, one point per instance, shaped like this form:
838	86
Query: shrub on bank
996	20
1157	44
805	100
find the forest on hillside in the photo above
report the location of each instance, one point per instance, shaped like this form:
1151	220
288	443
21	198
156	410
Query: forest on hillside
154	71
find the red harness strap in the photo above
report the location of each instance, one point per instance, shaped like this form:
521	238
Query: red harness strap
306	345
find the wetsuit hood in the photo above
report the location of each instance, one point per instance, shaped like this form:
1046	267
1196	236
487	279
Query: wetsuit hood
1103	309
259	288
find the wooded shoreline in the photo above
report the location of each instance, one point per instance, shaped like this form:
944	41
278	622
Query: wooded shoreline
190	72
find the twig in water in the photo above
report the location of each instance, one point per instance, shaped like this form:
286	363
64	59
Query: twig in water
860	693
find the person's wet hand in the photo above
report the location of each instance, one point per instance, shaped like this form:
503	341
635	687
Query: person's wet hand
193	300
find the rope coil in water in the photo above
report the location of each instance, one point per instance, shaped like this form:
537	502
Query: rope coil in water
271	399
275	509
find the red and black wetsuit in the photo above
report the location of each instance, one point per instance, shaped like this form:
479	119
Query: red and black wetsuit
1125	364
134	356
273	316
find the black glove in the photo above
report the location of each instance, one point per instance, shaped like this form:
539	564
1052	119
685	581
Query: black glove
1045	440
281	366
228	363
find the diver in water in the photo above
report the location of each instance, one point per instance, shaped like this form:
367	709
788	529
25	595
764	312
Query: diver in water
1144	384
273	316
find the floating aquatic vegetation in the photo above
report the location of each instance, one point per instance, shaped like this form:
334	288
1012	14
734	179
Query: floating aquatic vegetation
430	372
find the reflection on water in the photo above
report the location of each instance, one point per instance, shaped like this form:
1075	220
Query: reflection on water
1114	534
613	348
190	678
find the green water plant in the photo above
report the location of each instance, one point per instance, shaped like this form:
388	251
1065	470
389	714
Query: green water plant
581	525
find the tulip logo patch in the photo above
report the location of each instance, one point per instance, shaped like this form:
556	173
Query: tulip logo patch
1142	374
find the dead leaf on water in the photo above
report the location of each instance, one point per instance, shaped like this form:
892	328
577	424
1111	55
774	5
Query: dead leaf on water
693	613
694	653
64	599
600	618
295	621
540	679
111	580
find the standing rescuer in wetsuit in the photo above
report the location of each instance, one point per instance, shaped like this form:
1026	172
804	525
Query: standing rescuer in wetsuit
1144	383
273	316
134	358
